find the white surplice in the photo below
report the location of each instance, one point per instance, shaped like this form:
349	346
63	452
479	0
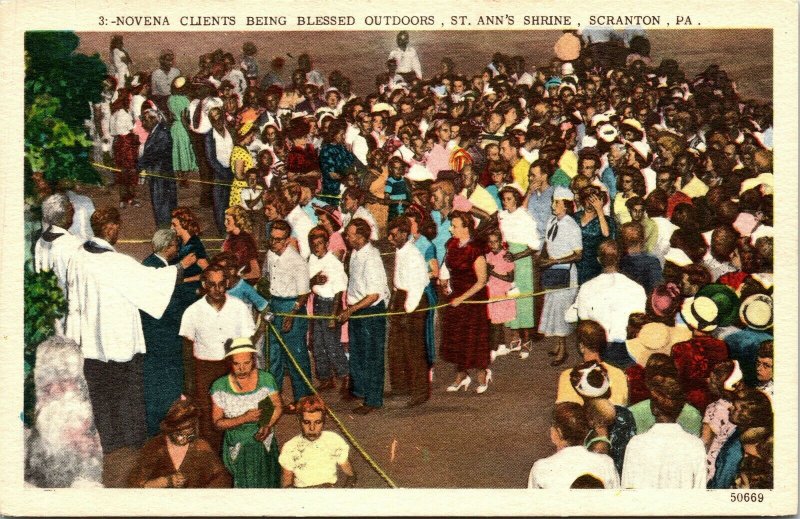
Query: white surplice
105	291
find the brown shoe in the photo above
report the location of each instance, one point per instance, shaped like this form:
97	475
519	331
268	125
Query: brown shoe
349	397
414	402
364	409
325	384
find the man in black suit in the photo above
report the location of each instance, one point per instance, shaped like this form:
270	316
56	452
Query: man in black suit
163	368
157	159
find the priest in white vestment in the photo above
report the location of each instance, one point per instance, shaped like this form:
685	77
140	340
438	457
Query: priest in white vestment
105	291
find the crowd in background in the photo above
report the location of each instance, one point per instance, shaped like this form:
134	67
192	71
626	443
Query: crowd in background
600	196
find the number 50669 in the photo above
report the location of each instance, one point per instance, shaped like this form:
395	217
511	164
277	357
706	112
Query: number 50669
747	497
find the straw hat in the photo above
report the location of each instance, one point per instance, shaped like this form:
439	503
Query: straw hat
714	305
756	312
655	338
239	345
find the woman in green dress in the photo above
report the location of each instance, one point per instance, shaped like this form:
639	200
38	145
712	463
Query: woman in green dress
183	159
246	405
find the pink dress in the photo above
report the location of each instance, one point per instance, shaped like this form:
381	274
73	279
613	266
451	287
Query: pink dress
500	311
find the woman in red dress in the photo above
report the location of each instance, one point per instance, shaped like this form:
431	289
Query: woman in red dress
240	242
465	335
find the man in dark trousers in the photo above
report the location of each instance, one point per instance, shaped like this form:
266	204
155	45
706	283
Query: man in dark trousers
156	159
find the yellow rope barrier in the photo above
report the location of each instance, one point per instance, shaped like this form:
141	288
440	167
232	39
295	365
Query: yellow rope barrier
359	448
425	309
146	174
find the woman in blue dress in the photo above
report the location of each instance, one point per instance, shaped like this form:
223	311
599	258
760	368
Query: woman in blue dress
595	227
334	161
186	226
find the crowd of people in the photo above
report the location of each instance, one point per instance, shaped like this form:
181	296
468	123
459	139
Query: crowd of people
458	216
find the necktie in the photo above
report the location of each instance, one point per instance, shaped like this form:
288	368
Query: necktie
552	231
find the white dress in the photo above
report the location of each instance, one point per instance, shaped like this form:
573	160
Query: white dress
562	237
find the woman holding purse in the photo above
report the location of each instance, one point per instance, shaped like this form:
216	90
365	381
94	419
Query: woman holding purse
564	247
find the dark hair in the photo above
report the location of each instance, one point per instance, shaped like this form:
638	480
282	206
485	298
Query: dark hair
355	193
698	274
656	203
518	197
465	219
765	350
666	397
187	219
569	418
587	482
401	223
103	216
362	228
724	241
608	253
638	180
317	231
592	336
631	233
281	225
182	414
659	364
755	410
691	242
634	201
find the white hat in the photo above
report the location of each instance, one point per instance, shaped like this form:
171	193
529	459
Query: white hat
607	132
700	313
756	312
562	193
516	186
384	107
600	118
734	378
567	69
588	141
641	148
678	257
586	388
419	173
239	345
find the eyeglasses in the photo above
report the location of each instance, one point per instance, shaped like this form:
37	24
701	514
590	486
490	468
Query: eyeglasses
761	364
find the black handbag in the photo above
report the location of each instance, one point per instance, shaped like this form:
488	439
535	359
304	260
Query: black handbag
555	278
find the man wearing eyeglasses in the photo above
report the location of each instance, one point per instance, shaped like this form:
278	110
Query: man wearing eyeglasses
289	289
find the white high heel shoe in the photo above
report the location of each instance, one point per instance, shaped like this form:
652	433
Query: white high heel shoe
499	352
483	387
525	350
465	382
515	345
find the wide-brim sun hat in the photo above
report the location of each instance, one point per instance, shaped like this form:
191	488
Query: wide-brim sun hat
655	338
756	312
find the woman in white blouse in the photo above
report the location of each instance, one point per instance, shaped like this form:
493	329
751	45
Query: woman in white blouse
519	232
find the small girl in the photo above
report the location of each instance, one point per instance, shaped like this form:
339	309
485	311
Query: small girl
396	187
501	276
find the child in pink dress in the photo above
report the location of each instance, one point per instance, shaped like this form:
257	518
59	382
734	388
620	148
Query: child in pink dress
501	275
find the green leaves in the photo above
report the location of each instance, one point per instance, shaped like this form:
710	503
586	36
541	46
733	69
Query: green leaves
44	303
60	86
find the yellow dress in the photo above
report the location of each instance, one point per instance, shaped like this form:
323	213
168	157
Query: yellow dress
239	153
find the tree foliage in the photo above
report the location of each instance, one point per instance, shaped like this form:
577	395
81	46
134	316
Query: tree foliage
44	304
60	86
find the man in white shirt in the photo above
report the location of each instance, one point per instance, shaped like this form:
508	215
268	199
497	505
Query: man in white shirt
609	299
408	361
200	125
161	79
352	208
289	289
205	326
406	58
367	293
328	282
666	456
105	292
311	458
571	460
